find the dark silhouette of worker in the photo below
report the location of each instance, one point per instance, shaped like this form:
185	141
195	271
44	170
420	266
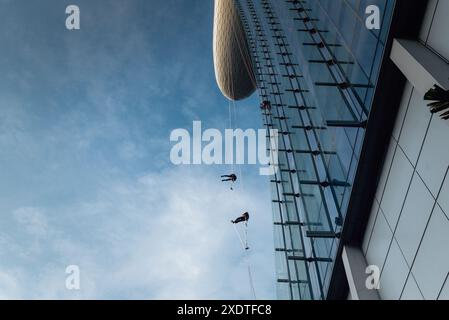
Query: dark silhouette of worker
265	105
229	177
243	218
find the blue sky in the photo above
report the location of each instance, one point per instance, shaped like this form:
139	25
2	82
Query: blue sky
85	119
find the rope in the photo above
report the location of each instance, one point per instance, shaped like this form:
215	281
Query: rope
245	251
246	58
240	172
241	177
251	282
240	237
231	127
246	235
232	123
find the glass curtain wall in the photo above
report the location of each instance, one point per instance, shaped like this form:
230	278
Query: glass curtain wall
317	67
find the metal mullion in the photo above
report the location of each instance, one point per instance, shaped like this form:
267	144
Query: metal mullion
280	213
342	73
321	191
336	202
302	236
300	230
284	237
318	147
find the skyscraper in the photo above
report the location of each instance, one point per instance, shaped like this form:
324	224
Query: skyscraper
362	177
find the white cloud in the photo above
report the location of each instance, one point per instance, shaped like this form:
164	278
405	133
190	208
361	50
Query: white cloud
32	220
9	288
186	247
164	235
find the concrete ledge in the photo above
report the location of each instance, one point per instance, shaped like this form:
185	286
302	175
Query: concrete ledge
422	67
355	266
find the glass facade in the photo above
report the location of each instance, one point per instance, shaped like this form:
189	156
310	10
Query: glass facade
317	66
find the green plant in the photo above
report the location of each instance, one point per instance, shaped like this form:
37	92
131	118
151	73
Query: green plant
441	104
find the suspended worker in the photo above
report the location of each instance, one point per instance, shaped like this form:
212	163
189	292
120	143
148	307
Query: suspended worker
243	218
229	177
265	105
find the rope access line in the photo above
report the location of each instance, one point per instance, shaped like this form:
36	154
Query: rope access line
233	118
245	248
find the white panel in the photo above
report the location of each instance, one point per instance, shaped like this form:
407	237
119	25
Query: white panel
397	186
386	169
434	159
380	241
443	200
414	218
415	127
411	290
394	274
425	29
444	295
369	228
402	110
432	263
355	267
420	65
439	35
